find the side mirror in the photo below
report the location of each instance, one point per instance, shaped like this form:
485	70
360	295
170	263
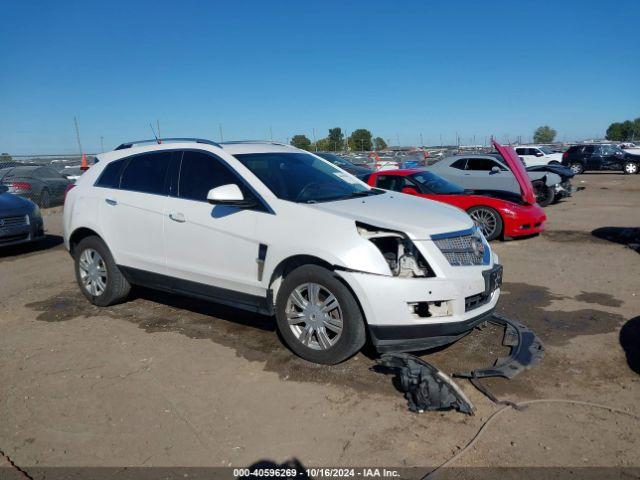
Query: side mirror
229	195
410	191
539	154
495	170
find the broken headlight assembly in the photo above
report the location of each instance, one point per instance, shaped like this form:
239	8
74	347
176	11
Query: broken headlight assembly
400	253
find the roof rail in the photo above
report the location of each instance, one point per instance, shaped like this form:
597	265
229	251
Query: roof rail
122	146
240	142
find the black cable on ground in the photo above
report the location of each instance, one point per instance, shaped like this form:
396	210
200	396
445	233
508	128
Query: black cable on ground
522	405
20	471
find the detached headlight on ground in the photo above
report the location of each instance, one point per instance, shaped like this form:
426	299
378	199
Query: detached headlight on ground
398	250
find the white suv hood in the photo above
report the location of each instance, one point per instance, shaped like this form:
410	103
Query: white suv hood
417	217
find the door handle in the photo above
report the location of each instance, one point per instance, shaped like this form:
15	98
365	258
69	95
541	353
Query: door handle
177	217
111	201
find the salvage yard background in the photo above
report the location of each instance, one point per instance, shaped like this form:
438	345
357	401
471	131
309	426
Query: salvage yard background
163	380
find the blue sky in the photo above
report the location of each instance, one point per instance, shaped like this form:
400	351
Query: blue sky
397	68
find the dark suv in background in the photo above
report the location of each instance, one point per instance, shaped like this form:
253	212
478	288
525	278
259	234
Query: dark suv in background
580	158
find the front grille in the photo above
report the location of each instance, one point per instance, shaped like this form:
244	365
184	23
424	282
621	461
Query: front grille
475	301
13	238
463	250
15	221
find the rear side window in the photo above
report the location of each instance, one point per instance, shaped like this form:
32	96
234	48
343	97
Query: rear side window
522	151
589	149
481	164
146	173
110	177
460	164
200	172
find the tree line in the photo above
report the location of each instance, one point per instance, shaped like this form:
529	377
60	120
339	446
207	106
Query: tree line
359	140
629	130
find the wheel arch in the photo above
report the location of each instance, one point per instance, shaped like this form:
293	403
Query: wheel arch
497	210
78	235
289	264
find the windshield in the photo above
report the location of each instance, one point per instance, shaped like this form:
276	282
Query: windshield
303	178
335	159
546	150
436	184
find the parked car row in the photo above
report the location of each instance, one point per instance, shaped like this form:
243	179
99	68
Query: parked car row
39	183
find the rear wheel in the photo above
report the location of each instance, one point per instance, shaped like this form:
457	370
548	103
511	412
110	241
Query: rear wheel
488	221
630	168
318	316
577	168
45	199
545	195
97	274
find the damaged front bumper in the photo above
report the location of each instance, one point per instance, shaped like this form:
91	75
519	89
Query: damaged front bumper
526	351
427	388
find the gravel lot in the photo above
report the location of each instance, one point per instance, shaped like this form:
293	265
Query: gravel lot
168	381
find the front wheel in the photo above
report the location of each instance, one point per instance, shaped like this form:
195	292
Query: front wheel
630	168
487	220
318	316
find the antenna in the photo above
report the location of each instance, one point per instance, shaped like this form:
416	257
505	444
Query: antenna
154	133
75	122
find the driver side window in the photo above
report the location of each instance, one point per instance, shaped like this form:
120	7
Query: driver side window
200	172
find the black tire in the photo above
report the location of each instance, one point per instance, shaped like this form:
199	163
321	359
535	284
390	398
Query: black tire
554	162
577	168
481	211
630	168
117	287
45	199
353	334
545	195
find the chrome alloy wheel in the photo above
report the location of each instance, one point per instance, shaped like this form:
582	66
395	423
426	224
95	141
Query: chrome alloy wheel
314	316
631	168
93	272
485	221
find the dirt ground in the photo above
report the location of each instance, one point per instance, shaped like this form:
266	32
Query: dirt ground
167	381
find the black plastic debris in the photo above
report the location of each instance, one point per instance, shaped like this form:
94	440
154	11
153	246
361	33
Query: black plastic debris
424	386
526	351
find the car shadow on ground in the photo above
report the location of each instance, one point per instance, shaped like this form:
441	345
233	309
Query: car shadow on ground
630	343
627	236
47	243
205	307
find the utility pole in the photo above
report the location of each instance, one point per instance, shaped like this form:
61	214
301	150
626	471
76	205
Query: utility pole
314	140
398	138
271	133
75	122
101	143
158	125
421	141
440	139
221	137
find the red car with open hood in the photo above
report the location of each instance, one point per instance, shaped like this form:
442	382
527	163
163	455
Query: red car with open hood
498	214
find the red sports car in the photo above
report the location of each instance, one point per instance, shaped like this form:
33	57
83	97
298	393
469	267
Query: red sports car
498	214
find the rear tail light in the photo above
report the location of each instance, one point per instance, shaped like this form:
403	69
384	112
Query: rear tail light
20	185
66	190
565	155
